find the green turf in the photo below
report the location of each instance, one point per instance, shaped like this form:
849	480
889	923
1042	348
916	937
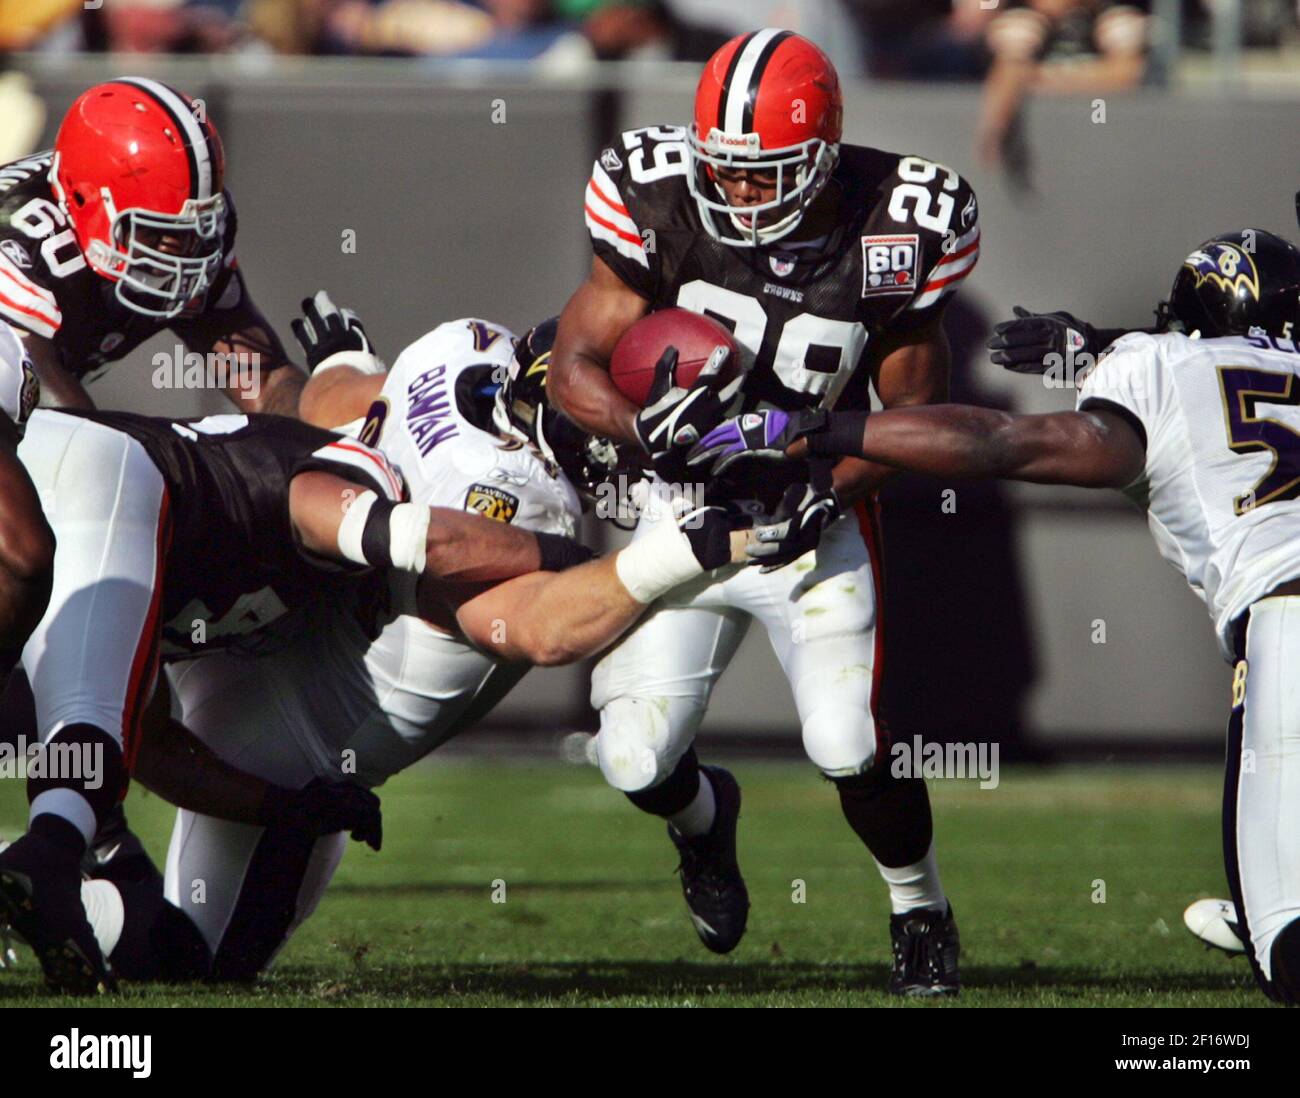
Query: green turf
593	916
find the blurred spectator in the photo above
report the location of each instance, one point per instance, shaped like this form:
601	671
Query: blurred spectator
22	116
619	28
24	23
170	26
516	29
1056	47
699	27
924	39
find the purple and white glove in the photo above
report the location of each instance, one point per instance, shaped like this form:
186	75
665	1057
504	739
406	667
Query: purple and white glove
762	435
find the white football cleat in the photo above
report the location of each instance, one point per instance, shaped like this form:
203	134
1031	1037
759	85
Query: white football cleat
1215	923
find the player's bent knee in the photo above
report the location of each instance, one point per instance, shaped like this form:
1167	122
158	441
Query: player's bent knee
840	739
641	740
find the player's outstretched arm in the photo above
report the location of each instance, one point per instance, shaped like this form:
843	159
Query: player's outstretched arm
347	375
597	314
908	368
1091	449
262	377
337	518
338	397
552	618
1036	343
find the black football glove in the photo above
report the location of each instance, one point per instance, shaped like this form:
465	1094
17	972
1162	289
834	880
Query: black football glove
1024	344
795	529
330	336
675	418
709	529
323	808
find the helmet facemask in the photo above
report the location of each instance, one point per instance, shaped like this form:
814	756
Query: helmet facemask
153	278
801	172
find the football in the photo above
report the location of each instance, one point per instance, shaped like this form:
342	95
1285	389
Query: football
695	336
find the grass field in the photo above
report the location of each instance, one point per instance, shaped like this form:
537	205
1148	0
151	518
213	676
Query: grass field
593	914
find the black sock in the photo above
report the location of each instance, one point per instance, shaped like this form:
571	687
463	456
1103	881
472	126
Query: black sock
890	815
675	792
62	833
104	780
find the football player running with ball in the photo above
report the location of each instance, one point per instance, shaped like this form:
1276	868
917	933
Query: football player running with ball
1196	424
832	265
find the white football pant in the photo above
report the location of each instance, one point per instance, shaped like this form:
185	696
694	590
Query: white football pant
335	703
820	613
1262	791
94	657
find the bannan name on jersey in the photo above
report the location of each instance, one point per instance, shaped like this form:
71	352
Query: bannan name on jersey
429	415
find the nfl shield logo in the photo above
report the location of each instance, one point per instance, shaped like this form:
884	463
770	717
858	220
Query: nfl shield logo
609	160
780	267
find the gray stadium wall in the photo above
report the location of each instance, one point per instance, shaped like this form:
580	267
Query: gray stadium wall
999	606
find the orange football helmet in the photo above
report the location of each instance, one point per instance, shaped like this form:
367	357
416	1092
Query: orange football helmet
767	101
139	174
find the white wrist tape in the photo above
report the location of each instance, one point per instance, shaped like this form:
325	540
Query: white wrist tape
408	543
354	525
402	543
362	361
656	563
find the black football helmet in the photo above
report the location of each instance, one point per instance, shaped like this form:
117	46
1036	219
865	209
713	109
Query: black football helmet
523	409
1235	282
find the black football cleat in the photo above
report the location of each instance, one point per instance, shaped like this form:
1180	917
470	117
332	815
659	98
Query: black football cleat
117	855
40	899
926	948
8	939
711	882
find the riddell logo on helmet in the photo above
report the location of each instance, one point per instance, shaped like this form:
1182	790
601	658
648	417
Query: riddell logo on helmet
750	142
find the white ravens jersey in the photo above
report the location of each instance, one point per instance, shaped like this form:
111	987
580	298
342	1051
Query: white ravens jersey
1221	418
389	699
419	423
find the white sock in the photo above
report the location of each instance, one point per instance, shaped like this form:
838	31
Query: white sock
916	885
67	804
105	912
697	817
